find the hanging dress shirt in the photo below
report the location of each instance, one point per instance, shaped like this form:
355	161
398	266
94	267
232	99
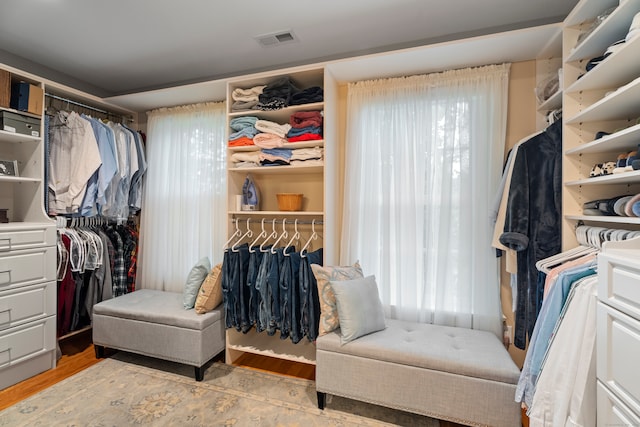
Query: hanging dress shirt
74	157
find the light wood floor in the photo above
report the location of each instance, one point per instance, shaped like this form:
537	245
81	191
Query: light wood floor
78	354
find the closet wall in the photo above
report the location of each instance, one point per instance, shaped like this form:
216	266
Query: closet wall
514	47
521	121
28	300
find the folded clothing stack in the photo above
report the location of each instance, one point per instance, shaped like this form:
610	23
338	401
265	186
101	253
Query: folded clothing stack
245	131
277	95
625	205
305	126
245	99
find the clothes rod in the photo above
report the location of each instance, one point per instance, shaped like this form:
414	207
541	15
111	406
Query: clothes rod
89	107
278	221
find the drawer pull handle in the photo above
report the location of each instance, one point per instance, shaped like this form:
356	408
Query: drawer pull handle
6	310
9	273
8	351
5	248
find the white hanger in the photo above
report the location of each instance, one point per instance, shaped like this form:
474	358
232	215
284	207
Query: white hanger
284	234
235	234
314	236
247	233
296	236
261	235
588	240
273	235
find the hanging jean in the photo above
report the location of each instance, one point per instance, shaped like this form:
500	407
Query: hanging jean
273	281
243	292
252	275
310	308
291	312
264	308
234	267
228	296
288	281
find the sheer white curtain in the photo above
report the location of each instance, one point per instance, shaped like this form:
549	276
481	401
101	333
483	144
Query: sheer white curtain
423	161
183	216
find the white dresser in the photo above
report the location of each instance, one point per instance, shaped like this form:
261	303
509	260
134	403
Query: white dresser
27	248
27	301
618	334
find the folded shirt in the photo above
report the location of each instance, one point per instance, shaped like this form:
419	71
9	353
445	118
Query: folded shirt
302	119
267	126
241	142
243	106
284	153
307	153
307	96
245	156
239	123
305	137
246	95
268	140
248	132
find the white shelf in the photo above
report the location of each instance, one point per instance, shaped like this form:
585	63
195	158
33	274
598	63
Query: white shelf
624	140
22	113
17	137
274	114
19	179
619	178
553	103
617	69
278	170
586	10
612	29
604	218
276	213
290	145
624	103
266	345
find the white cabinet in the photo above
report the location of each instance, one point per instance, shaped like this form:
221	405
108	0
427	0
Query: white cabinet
27	256
618	334
604	99
314	181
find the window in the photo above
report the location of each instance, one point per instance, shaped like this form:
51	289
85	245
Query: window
423	161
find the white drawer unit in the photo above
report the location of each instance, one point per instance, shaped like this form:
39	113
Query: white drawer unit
27	350
24	237
26	304
26	267
618	334
611	410
618	351
619	284
28	299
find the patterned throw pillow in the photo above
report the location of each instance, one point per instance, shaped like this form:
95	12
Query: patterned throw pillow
328	309
210	293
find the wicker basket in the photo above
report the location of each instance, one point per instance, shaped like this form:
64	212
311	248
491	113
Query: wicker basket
289	201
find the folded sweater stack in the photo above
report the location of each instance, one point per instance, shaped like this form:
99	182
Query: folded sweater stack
305	126
245	99
245	131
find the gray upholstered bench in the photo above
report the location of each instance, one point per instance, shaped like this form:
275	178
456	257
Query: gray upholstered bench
455	374
154	323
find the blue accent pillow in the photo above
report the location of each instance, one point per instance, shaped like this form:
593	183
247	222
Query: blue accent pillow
359	307
195	278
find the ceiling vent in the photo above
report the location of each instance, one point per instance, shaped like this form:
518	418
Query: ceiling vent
276	39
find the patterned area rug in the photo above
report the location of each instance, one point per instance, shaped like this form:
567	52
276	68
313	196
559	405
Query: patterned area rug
128	389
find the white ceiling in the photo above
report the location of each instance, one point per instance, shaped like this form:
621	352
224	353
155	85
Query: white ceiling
115	47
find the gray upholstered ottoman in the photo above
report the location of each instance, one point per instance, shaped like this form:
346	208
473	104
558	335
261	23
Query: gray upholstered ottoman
456	374
155	323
